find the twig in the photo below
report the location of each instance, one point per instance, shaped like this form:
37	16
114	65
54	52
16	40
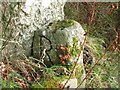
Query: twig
90	70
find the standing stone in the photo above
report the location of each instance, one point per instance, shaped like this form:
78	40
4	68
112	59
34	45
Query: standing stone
63	42
42	25
32	16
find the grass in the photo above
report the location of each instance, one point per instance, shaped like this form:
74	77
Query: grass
104	74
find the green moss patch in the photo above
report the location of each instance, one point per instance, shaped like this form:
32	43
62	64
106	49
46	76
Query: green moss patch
60	24
74	50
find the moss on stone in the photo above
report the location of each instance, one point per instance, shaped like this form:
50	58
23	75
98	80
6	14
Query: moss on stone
60	25
74	50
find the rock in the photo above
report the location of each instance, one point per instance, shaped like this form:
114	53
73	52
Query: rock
52	39
72	83
13	51
63	40
33	16
39	16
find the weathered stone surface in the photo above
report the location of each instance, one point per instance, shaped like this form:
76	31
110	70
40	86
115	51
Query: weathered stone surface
33	16
69	35
72	83
39	17
13	51
58	41
62	41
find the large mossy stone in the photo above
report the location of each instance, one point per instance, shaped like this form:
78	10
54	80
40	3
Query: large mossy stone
63	42
67	34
